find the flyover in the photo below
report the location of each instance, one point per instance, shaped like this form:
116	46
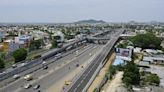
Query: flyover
84	80
47	55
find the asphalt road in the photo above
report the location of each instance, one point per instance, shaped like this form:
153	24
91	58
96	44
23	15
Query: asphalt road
48	77
10	80
81	83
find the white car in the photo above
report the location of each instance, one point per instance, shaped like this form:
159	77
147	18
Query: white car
23	64
44	62
16	76
26	86
14	66
36	87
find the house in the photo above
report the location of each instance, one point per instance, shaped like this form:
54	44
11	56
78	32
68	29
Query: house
23	40
2	36
59	36
141	31
162	44
155	59
118	61
137	50
10	46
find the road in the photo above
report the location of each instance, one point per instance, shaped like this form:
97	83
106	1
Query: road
56	71
81	83
10	80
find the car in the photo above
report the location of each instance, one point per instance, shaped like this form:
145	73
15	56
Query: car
45	67
16	76
28	77
23	64
38	91
67	82
14	66
77	52
77	65
44	62
59	55
26	86
3	72
36	87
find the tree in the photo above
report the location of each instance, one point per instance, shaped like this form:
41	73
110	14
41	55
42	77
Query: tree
20	54
2	64
2	55
36	44
131	71
148	40
54	43
127	81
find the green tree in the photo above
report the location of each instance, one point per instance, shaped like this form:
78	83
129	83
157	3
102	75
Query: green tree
148	40
20	54
2	55
121	45
127	81
2	64
36	44
131	71
54	43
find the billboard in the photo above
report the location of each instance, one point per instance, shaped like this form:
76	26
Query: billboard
124	52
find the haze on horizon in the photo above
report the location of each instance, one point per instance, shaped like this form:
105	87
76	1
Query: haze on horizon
63	11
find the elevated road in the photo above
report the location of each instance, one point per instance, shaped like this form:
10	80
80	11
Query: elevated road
82	83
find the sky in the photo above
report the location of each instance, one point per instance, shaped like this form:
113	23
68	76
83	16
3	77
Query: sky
65	11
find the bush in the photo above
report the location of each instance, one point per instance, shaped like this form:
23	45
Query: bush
152	79
112	71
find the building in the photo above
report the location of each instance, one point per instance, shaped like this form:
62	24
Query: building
156	59
59	36
10	46
23	40
124	53
2	35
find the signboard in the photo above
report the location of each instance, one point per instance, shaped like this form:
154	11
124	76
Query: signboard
124	52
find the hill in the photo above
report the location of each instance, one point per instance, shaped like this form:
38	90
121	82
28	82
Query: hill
89	21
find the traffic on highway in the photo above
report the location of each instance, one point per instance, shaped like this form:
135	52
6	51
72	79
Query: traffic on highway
53	66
